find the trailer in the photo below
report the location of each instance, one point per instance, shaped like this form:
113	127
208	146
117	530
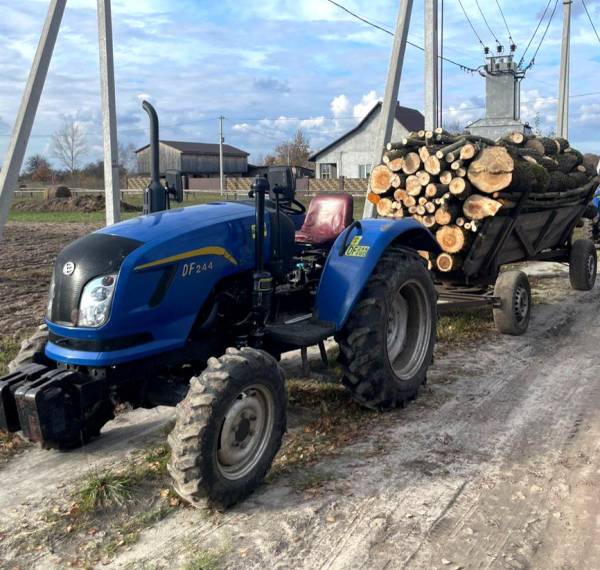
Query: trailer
526	232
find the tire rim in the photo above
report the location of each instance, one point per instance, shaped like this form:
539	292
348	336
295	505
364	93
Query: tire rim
245	431
408	329
521	304
591	268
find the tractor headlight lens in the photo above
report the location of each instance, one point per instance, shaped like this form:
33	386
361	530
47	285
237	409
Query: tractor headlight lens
96	300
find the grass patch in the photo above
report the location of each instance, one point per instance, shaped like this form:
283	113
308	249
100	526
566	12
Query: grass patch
461	328
108	511
9	348
206	559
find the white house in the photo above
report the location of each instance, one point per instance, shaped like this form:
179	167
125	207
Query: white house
352	154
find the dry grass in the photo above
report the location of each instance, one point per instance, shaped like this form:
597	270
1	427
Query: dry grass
456	330
106	512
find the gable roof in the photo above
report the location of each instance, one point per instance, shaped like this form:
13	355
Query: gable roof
411	119
201	148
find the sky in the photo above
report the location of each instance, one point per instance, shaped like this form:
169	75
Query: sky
273	66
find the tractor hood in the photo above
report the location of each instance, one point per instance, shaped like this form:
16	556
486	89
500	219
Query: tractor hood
171	223
165	265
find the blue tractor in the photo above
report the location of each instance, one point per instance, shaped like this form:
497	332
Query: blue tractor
194	306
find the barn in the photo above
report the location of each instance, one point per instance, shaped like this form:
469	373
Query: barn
196	160
352	154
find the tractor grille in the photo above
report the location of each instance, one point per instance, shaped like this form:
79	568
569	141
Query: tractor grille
93	255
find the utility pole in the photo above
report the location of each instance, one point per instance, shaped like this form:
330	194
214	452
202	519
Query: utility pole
9	176
431	64
109	114
221	141
562	112
390	98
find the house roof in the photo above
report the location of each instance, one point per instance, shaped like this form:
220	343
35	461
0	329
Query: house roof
411	119
201	148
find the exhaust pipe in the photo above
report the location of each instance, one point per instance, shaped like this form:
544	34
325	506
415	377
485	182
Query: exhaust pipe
155	196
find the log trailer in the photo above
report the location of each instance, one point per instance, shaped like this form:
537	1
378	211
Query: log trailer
193	307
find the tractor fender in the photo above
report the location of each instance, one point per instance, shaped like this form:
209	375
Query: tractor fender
353	258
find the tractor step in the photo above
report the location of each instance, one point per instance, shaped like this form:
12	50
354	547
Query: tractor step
300	334
25	375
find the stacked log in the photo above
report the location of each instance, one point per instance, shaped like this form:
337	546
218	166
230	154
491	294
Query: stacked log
453	183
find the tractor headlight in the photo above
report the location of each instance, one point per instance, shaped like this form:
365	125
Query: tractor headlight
96	300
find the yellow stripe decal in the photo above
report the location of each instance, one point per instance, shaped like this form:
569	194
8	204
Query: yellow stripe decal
212	250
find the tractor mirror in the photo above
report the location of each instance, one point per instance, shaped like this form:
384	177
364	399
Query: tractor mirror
282	182
174	180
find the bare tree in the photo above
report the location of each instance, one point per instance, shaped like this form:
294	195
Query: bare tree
128	158
69	145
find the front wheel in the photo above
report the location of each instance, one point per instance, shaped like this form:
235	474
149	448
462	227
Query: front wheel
228	428
386	346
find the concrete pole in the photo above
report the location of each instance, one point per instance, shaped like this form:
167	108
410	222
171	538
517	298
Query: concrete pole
221	141
390	98
431	64
562	112
109	114
9	175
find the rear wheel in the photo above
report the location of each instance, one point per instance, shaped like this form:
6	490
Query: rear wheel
583	265
228	428
387	343
514	293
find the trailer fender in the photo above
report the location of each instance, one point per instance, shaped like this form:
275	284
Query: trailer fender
353	258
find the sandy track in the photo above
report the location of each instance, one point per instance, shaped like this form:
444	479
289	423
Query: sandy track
496	465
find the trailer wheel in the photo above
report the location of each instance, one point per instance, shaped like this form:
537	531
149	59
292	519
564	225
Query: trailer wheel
514	292
32	350
387	342
228	428
583	265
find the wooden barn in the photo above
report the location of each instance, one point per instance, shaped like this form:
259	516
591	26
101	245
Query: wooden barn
196	160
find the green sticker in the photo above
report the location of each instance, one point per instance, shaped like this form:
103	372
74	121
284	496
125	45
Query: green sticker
355	249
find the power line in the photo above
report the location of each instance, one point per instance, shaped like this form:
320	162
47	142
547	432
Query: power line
535	32
590	19
389	32
543	37
486	23
472	26
513	46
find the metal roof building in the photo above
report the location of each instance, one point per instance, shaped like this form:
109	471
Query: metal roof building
195	159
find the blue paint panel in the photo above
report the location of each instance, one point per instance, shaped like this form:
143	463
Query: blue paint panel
344	276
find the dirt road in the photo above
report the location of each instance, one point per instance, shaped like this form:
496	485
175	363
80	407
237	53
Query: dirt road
496	465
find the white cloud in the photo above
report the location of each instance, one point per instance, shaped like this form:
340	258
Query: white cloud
339	105
367	102
312	123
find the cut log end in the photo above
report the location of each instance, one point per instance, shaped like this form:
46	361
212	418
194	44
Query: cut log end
381	179
446	262
451	239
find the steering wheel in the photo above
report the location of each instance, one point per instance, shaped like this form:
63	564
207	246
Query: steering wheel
293	208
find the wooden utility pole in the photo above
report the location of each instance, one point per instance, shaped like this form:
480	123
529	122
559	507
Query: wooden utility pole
221	141
562	112
431	64
390	98
109	114
9	176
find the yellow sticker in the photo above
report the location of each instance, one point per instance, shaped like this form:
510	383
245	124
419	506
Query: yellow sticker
355	249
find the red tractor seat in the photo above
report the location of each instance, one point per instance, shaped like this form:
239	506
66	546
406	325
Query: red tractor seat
327	217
